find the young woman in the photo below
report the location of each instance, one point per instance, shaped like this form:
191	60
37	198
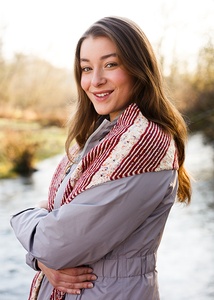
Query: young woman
110	196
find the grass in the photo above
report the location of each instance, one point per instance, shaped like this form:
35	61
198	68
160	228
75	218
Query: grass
19	136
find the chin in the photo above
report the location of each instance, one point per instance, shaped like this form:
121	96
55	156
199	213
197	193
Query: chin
102	112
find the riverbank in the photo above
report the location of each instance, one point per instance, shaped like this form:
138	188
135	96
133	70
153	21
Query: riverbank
25	143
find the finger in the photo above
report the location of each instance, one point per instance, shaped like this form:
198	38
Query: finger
42	204
78	284
66	280
74	292
69	291
75	288
77	271
81	285
83	278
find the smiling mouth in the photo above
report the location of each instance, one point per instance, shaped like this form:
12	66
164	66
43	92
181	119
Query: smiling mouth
101	95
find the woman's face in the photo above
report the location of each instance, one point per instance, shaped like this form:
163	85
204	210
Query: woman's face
104	78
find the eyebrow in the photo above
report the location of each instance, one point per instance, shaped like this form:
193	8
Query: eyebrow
101	58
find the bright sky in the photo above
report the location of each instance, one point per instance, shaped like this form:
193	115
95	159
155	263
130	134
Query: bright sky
51	28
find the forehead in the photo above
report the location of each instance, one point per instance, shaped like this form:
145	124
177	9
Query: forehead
97	46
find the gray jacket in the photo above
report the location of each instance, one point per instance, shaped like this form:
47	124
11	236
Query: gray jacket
115	228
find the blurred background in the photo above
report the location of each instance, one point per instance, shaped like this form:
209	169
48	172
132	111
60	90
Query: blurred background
37	96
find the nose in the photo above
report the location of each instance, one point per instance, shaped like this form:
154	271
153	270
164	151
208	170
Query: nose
98	78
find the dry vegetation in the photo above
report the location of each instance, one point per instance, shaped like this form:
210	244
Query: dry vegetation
32	89
35	101
193	93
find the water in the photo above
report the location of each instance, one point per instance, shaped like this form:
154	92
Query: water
185	258
186	255
15	195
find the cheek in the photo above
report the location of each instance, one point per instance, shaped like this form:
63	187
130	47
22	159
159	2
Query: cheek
85	83
123	80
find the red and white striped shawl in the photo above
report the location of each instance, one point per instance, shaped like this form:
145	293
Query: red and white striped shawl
135	145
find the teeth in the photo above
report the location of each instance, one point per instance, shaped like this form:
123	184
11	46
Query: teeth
102	95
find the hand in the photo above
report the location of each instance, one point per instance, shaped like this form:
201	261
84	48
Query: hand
42	204
70	280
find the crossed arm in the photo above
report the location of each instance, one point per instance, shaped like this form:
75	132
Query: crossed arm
70	280
83	231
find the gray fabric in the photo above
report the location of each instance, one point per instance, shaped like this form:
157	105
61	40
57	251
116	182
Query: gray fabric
115	228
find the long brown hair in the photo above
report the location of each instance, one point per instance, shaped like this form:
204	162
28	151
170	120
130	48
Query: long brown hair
137	56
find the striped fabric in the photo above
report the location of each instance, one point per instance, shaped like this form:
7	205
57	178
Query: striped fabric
134	146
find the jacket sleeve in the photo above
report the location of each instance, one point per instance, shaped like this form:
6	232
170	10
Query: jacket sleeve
95	222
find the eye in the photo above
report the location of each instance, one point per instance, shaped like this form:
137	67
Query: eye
86	69
111	65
